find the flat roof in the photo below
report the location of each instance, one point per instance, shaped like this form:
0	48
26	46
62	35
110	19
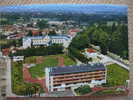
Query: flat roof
75	69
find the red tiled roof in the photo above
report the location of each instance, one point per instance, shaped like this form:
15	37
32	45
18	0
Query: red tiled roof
6	51
74	30
19	35
35	32
91	50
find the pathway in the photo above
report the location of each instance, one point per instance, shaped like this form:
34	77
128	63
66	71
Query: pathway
8	77
61	61
27	77
117	62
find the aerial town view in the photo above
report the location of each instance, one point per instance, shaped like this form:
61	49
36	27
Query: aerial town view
58	50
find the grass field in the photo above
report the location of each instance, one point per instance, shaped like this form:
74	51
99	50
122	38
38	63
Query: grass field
19	87
116	75
49	61
68	61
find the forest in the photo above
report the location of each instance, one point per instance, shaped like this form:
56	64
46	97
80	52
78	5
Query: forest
113	38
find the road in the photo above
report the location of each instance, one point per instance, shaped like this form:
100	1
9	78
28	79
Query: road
121	64
78	62
8	77
106	59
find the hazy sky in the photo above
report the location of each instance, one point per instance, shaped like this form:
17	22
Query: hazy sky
86	8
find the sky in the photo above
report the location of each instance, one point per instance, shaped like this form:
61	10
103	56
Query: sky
84	8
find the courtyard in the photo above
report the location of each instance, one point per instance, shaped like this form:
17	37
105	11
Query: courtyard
24	77
47	61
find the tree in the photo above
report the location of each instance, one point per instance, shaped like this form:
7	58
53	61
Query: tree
53	32
40	33
101	38
30	25
75	53
42	24
83	90
29	33
50	50
80	42
4	22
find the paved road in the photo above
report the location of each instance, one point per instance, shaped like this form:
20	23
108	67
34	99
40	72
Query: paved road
78	62
121	64
118	62
8	75
2	98
106	59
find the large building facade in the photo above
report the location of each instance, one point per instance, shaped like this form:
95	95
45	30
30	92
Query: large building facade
71	77
46	40
3	78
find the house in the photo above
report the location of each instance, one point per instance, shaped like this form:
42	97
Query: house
6	51
73	32
35	32
71	77
91	53
15	36
56	23
90	50
3	76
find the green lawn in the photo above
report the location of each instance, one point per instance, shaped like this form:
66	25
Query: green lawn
49	61
30	59
68	61
116	75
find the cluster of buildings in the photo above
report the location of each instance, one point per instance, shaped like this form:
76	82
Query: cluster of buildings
46	40
64	32
97	57
3	79
57	78
71	77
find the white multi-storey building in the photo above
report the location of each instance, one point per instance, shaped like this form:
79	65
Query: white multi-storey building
46	40
71	77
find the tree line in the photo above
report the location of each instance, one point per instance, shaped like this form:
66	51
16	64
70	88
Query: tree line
78	43
40	51
113	38
9	43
